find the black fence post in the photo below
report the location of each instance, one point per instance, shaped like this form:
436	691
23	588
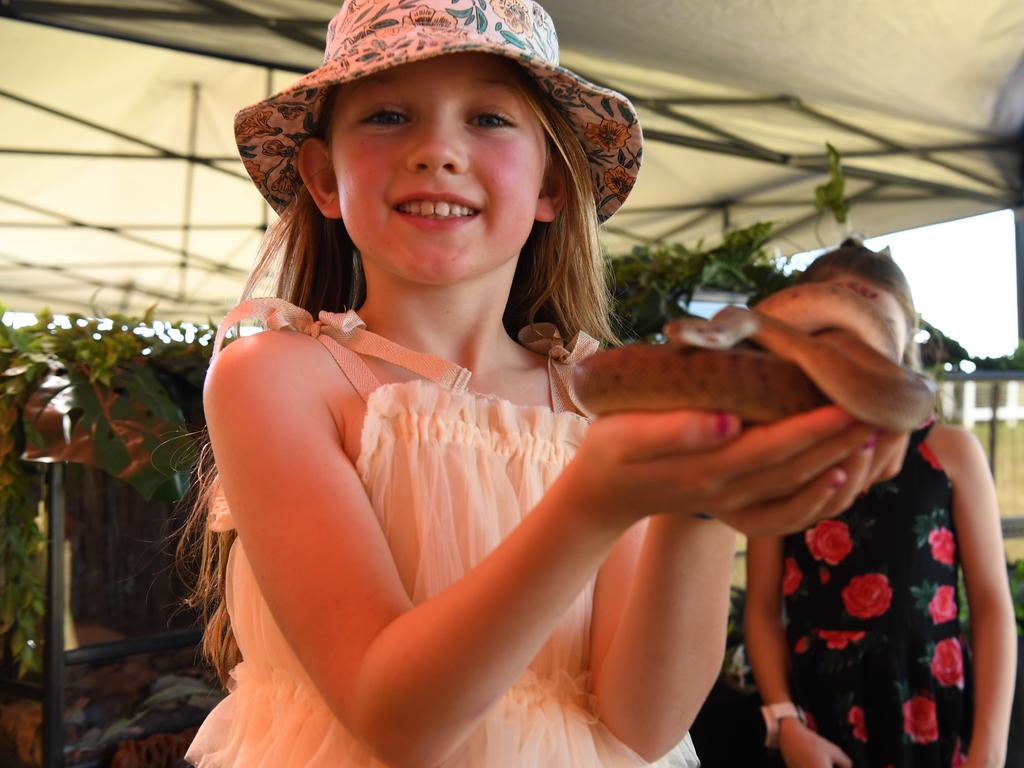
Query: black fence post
53	658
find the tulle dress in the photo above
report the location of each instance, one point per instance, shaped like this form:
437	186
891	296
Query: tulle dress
449	474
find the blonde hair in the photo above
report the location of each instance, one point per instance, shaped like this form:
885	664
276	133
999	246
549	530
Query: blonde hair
562	277
878	267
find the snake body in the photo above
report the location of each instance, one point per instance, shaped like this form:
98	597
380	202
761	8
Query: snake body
815	343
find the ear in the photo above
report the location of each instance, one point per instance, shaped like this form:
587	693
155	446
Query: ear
317	174
552	194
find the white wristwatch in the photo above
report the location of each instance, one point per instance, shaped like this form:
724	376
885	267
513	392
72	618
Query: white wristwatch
772	714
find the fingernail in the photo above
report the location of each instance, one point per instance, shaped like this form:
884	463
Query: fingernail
725	424
840	479
872	442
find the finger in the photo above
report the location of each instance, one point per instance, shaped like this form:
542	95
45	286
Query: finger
780	441
790	514
889	455
643	437
775	481
837	756
857	467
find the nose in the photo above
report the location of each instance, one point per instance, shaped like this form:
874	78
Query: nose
437	147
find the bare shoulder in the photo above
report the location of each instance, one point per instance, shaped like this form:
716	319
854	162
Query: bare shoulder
273	374
265	362
275	355
953	446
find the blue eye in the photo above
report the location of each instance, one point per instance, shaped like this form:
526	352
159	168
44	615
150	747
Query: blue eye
385	117
491	120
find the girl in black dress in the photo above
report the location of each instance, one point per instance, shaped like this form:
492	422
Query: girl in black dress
866	665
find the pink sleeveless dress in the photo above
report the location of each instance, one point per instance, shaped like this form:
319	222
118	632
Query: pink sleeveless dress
449	474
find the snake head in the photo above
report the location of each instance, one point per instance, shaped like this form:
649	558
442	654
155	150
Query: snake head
724	331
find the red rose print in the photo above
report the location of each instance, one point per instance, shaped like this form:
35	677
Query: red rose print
943	545
927	455
824	576
830	541
837	640
867	596
856	719
958	756
811	722
942	606
801	645
919	720
791	578
948	663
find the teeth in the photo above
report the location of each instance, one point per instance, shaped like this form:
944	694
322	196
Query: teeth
439	210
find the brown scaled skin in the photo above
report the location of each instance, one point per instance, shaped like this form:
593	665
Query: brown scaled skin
798	372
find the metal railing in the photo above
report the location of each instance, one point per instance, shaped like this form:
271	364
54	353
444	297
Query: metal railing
989	404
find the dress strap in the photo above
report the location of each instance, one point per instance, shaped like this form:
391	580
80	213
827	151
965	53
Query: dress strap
545	339
345	336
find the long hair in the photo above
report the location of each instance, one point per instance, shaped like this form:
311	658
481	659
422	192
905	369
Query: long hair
853	258
561	277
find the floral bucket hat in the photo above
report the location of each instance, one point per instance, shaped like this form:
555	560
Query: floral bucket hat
367	36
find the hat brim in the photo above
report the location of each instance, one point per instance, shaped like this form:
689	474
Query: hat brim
270	132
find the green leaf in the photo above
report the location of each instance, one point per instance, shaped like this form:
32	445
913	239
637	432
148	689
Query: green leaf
830	194
513	39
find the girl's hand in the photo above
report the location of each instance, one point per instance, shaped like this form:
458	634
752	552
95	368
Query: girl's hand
803	748
890	449
767	479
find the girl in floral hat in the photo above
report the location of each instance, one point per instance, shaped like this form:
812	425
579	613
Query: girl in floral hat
871	668
418	550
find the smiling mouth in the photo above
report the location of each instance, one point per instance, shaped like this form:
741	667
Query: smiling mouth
435	210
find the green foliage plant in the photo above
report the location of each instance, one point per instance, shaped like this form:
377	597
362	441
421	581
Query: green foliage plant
114	392
655	284
830	195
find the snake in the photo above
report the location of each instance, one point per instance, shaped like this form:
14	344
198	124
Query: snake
800	348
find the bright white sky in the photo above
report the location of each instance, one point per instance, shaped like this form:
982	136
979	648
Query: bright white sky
963	275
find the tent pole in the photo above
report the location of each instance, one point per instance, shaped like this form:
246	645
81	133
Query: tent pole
1018	226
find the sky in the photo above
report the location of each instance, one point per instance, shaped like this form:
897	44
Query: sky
963	276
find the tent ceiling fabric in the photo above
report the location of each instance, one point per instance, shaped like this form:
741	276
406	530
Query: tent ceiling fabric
119	185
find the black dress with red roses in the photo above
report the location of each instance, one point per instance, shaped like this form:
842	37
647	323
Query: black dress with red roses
878	658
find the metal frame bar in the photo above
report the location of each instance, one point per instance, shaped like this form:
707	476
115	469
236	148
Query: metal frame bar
87	280
53	659
205	261
122	11
223	10
204	160
186	207
1018	226
163	151
800	106
25	15
118	649
150	227
799	222
851	172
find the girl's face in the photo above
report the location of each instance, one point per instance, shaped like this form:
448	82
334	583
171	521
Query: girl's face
438	169
887	306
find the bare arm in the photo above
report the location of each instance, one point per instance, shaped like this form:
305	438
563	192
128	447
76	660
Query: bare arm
768	652
979	539
763	632
412	681
662	601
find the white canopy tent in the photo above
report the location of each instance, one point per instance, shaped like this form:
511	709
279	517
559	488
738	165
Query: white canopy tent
119	186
